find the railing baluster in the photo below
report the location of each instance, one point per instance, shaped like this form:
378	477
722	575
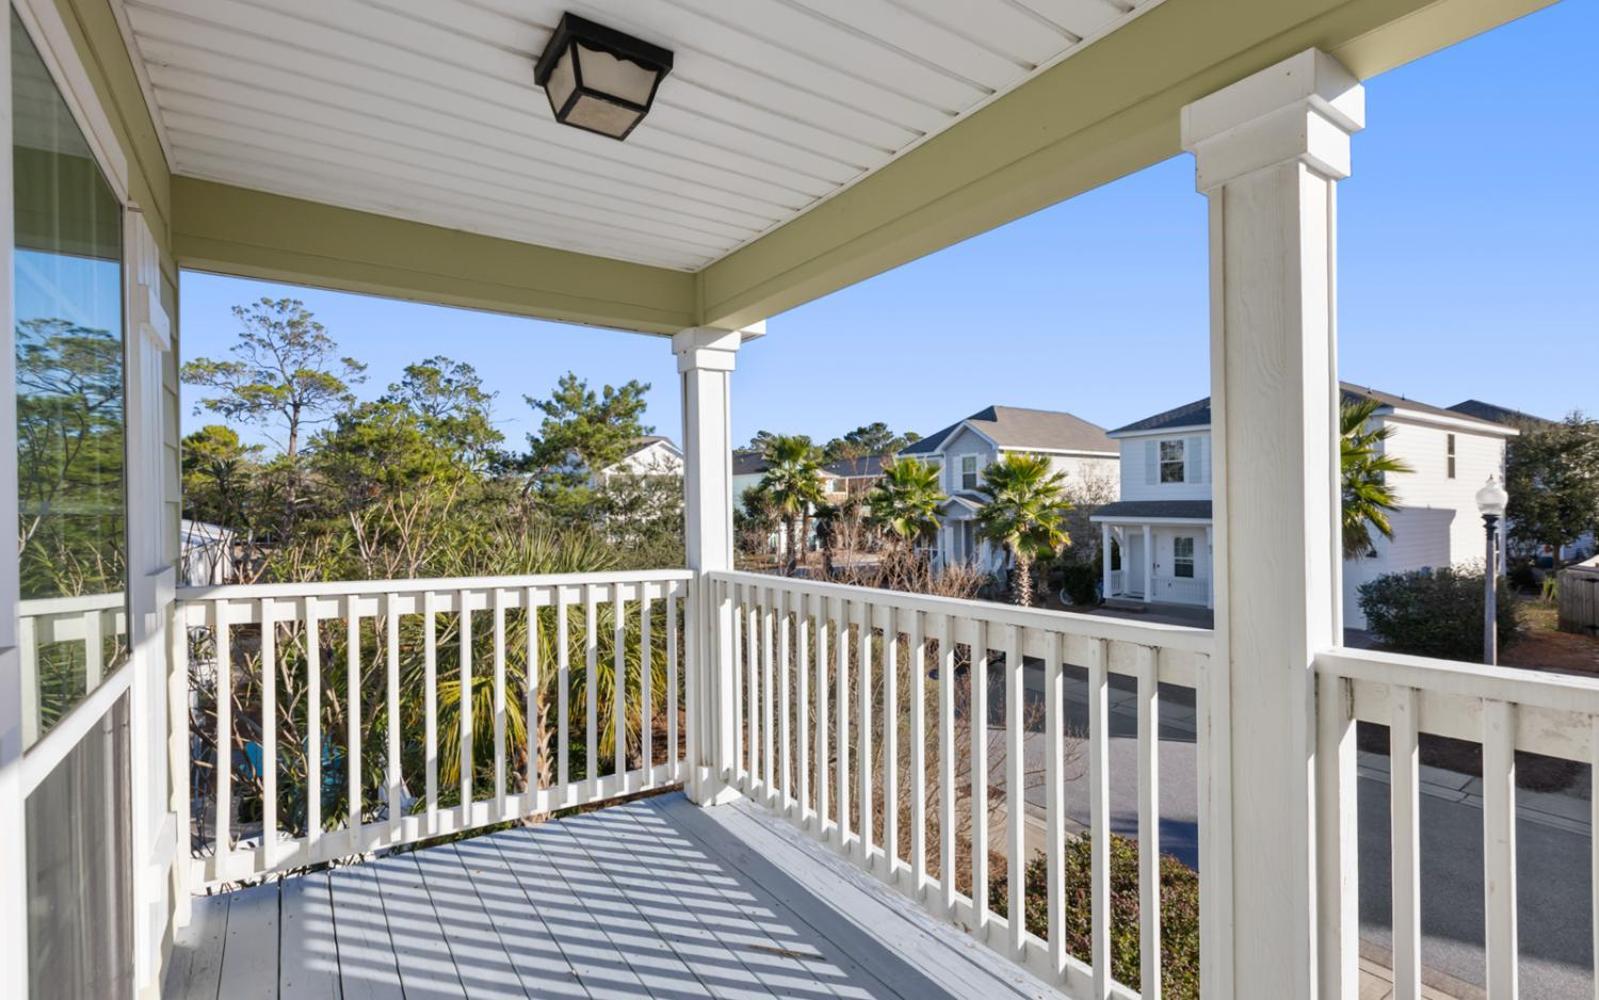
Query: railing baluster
946	762
391	614
430	703
93	650
1338	845
863	725
352	713
499	704
841	736
890	741
768	616
673	698
736	677
468	758
1499	846
802	667
533	714
591	704
269	735
1015	795
752	677
1148	824
824	628
1593	841
1404	757
313	724
619	685
918	736
1099	814
1054	795
220	639
786	797
563	694
28	651
979	777
646	701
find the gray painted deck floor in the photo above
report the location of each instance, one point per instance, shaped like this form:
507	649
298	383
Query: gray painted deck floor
655	898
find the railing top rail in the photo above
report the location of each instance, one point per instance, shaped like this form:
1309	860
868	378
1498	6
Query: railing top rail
1537	689
348	588
35	607
1179	637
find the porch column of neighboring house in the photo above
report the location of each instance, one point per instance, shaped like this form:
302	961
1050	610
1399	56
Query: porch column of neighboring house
1104	555
1269	151
1210	572
705	362
1149	564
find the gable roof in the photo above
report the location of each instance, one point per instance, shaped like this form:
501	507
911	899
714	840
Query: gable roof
1494	413
649	440
857	468
1018	428
1197	413
748	462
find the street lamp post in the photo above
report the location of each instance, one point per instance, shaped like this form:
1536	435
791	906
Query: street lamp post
1491	501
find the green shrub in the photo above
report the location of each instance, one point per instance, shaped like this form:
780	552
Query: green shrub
1179	912
1079	583
1434	612
1522	577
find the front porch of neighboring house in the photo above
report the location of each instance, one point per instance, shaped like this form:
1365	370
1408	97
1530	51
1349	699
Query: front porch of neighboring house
191	740
1164	554
960	543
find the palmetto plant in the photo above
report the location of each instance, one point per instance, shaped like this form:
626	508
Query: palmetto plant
1024	511
792	486
1364	466
904	503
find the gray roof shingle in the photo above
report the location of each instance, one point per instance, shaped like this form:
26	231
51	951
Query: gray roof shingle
1019	428
1196	510
1197	413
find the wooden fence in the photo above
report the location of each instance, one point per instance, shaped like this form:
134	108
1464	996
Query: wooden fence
1579	598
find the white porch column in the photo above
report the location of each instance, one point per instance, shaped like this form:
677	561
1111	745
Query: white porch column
1149	564
705	363
1269	150
1104	556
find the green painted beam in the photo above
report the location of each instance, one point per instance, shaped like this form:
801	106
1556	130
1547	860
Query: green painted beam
1106	112
239	231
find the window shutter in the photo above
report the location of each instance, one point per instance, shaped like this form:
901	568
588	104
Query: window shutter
1195	464
1151	462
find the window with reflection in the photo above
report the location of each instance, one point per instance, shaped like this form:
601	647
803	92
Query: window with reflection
70	400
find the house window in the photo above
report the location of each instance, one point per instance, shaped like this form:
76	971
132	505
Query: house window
1183	557
1450	453
1171	461
968	472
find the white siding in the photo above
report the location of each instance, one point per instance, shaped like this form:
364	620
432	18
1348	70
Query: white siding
1083	468
1140	467
1428	486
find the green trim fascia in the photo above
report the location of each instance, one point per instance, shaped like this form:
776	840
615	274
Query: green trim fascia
1108	111
232	230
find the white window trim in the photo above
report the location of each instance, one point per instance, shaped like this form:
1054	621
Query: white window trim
963	473
1192	558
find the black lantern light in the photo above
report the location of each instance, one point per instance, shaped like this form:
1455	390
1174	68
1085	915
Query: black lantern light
599	79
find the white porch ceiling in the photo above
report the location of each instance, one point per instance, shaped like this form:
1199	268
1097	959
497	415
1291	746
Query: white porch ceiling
426	109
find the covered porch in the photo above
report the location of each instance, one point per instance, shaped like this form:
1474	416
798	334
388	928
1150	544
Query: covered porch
1166	551
854	764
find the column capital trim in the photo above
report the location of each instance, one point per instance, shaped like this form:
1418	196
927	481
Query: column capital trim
711	348
1304	108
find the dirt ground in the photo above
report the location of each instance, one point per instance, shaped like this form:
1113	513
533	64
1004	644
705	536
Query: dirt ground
1542	646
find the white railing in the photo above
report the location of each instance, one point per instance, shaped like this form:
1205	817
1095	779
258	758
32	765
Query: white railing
1504	710
800	652
379	665
86	622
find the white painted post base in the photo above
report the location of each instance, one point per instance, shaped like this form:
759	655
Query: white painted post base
1269	151
705	359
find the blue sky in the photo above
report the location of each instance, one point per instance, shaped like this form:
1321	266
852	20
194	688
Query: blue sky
1468	267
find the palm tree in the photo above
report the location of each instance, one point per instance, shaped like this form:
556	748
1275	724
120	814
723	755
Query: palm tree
1025	511
904	503
1364	468
792	485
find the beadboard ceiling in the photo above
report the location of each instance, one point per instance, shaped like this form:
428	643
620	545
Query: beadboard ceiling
427	110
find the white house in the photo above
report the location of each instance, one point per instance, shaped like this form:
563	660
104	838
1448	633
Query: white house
650	456
1081	450
1162	526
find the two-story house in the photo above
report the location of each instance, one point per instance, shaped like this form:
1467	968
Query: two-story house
1080	449
1160	529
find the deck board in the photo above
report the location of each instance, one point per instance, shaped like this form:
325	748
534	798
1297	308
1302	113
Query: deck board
654	898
